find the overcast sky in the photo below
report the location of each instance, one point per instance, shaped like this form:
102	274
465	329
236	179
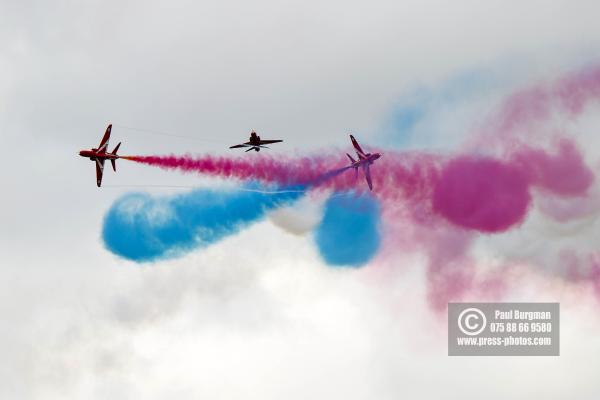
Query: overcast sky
258	315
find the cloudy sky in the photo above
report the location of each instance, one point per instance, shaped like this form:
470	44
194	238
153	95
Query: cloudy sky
259	314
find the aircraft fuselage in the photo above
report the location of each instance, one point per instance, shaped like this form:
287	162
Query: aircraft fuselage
94	155
255	143
368	158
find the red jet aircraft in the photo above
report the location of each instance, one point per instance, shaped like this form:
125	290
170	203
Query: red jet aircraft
255	143
101	154
364	161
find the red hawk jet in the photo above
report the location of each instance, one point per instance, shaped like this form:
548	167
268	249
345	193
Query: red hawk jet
364	161
255	143
101	154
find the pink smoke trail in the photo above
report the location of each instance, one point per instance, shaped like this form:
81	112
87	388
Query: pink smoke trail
479	193
397	176
568	94
518	119
527	117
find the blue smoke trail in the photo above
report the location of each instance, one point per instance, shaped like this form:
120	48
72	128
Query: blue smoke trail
349	232
143	228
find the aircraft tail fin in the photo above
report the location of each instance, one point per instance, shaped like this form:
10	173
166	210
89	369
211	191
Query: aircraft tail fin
352	160
112	160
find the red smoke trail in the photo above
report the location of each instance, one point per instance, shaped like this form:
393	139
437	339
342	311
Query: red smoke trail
479	193
302	171
395	176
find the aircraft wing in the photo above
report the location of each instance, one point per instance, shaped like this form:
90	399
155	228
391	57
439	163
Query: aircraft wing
357	146
99	171
368	176
103	146
270	141
239	146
